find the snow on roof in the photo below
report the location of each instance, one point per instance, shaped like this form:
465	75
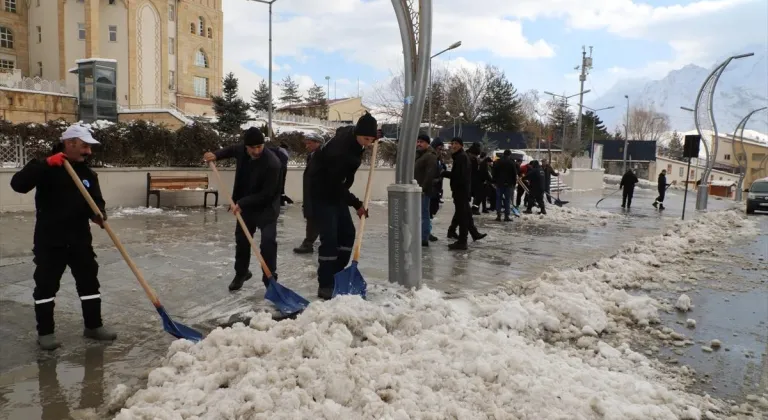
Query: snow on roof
73	70
92	59
722	183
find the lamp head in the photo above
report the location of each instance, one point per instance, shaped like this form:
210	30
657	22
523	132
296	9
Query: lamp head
455	45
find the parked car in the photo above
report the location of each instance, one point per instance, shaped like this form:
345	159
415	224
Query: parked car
757	198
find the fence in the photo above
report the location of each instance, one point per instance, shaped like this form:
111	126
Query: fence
282	117
14	80
12	153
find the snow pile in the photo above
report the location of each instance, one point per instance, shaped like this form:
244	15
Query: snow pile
683	303
418	355
569	215
133	211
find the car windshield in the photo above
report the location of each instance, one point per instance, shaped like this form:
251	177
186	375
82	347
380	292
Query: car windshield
759	187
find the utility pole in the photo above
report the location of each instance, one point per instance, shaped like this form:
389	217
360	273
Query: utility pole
586	65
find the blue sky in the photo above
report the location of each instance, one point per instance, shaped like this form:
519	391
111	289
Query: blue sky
536	42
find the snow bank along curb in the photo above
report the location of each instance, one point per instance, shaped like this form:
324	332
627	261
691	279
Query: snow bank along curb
540	354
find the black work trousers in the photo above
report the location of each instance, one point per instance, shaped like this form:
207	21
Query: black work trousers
50	263
662	193
462	217
311	232
536	197
268	246
519	198
626	197
337	236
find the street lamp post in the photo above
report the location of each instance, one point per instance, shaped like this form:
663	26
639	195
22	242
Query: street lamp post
565	102
328	87
592	142
626	137
703	113
461	115
429	92
269	110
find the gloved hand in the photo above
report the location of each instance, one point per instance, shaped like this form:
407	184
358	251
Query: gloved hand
362	211
98	220
56	160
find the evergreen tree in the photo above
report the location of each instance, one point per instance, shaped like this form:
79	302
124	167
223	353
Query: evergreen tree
562	123
500	109
317	101
290	91
437	96
675	146
260	98
231	110
589	121
617	134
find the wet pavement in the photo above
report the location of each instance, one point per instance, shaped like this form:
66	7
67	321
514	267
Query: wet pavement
187	256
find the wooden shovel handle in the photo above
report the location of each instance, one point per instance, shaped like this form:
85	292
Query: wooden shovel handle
359	236
223	188
147	289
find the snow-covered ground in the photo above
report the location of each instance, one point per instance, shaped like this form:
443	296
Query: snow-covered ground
555	347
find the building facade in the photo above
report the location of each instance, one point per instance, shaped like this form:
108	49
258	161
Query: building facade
169	53
753	155
346	110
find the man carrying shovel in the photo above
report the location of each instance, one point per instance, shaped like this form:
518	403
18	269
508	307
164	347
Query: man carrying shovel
332	175
256	194
62	234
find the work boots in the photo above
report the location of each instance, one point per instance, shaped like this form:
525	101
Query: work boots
237	282
498	217
325	293
48	342
101	334
458	246
304	248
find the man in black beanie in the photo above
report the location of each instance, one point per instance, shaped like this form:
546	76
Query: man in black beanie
257	198
333	173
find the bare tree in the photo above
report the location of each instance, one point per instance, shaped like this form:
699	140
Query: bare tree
388	96
645	123
466	89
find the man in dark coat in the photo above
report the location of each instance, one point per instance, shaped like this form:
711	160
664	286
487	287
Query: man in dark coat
535	179
62	233
505	178
461	188
628	182
425	172
335	166
548	172
437	196
662	187
312	142
257	198
284	156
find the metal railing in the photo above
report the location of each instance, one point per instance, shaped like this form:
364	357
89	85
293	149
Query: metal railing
13	154
284	118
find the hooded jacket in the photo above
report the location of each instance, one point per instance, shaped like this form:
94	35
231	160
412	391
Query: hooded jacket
535	178
662	187
257	183
426	170
505	172
62	215
335	165
628	181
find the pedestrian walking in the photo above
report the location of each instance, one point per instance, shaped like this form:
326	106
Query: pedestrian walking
662	188
627	184
477	189
425	172
535	178
505	178
62	235
335	166
256	194
461	187
548	173
312	142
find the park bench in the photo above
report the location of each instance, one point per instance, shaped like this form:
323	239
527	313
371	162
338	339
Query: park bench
176	183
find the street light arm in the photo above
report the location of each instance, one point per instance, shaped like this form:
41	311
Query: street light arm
736	57
685	108
451	47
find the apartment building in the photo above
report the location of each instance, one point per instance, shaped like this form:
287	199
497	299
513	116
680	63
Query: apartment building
169	53
753	156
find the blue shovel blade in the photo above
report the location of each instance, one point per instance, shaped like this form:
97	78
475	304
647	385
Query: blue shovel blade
350	281
515	211
286	300
178	330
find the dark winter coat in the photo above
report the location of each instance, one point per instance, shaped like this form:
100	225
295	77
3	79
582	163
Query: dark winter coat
504	172
628	181
335	166
536	178
437	183
62	215
257	183
426	170
662	183
306	205
282	154
548	172
478	175
461	176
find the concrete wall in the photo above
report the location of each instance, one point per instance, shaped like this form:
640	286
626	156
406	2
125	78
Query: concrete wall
25	106
126	187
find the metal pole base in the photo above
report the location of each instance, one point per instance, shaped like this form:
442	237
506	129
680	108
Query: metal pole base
701	197
405	234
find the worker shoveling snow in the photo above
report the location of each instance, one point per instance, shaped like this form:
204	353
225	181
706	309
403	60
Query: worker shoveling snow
549	352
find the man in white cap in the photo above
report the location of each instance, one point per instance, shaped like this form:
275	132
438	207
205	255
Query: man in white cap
62	233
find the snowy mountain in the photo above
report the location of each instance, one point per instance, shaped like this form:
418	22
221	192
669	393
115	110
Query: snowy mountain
742	88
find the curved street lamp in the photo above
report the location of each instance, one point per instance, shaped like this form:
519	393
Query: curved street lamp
461	115
704	116
742	163
429	86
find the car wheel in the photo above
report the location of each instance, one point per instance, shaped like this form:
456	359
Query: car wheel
750	210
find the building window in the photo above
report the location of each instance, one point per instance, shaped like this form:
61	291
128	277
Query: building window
171	45
192	28
201	87
727	157
171	80
112	33
201	26
7	65
200	59
81	31
40	69
669	169
681	172
39	34
210	33
171	12
693	173
10	6
6	38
